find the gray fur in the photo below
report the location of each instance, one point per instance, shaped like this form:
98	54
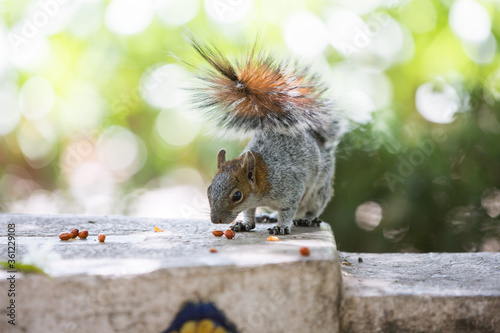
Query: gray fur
301	169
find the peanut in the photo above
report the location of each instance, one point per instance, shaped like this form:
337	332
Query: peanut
74	233
83	234
305	251
65	236
101	238
218	233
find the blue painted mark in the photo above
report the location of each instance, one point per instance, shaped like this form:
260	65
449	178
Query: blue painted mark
201	318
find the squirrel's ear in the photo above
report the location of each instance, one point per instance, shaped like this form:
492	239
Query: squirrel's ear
221	158
250	165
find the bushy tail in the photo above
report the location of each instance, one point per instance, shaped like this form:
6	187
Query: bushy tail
259	93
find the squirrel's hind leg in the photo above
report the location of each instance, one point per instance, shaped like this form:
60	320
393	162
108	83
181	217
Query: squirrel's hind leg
315	206
248	221
285	220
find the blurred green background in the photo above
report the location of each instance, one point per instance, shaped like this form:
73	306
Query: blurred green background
94	117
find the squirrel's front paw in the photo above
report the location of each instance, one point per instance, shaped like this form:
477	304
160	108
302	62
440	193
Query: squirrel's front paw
277	230
241	226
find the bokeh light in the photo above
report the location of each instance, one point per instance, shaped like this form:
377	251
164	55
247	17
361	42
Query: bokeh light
490	200
93	186
305	34
177	128
75	153
347	32
470	20
490	244
30	54
361	7
128	17
4	59
161	86
37	142
437	102
368	215
36	97
87	19
275	12
176	13
360	91
483	52
227	11
120	151
385	38
10	114
49	18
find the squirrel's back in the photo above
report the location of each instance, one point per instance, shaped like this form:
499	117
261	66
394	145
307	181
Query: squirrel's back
259	93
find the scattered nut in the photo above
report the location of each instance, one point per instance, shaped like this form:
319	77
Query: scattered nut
74	233
218	233
65	236
101	238
212	250
305	251
83	234
346	263
229	234
273	239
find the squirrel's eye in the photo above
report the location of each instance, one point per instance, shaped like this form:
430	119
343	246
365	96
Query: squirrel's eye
237	196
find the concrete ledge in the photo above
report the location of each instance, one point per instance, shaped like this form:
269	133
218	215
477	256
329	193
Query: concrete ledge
433	292
139	279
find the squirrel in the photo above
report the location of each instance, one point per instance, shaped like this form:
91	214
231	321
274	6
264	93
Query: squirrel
288	165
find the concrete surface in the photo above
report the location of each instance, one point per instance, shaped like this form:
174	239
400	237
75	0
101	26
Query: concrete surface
139	279
433	292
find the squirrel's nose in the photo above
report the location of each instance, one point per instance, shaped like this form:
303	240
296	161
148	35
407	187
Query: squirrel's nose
215	219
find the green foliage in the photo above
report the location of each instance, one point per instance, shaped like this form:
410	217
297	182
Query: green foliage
431	192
